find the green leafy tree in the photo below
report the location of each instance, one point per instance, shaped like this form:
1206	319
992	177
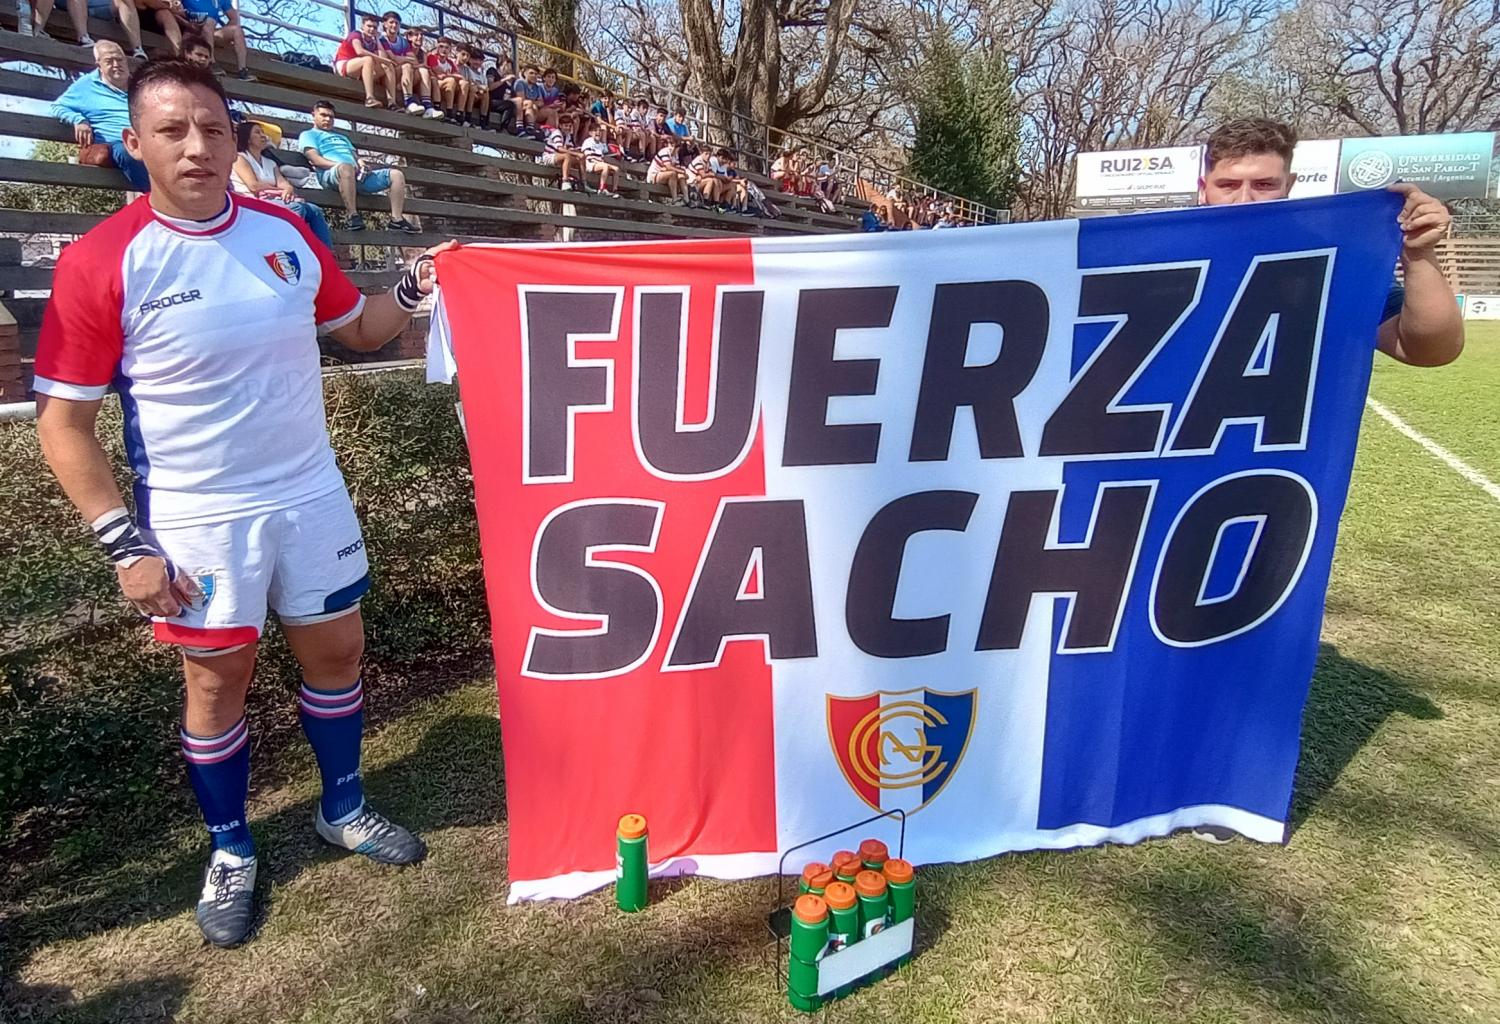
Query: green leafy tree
59	198
968	130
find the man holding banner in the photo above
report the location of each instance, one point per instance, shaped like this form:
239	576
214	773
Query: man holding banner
1249	161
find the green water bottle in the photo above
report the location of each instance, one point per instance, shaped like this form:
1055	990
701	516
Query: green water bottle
808	942
843	913
901	884
815	878
873	854
630	863
874	902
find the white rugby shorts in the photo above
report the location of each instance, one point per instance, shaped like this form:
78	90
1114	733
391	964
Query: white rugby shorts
306	563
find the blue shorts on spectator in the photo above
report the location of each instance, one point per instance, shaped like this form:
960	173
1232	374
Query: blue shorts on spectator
378	180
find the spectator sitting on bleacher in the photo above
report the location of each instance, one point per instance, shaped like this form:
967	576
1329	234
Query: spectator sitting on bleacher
505	106
701	174
448	81
870	220
470	61
395	47
596	159
661	129
559	151
679	125
732	190
79	11
665	170
256	174
96	106
340	167
549	98
358	57
573	103
170	19
218	21
602	110
529	91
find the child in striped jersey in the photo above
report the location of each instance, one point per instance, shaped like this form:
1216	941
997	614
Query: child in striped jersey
558	151
596	159
666	170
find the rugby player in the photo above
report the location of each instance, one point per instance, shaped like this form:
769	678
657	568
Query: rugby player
1250	160
202	308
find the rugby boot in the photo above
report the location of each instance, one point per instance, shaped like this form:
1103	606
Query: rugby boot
371	833
226	907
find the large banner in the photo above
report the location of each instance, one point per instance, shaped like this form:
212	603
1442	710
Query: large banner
1025	530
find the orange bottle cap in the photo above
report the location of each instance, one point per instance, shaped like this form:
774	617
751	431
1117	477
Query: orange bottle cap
840	895
869	883
632	826
898	870
846	864
839	856
810	909
817	875
873	850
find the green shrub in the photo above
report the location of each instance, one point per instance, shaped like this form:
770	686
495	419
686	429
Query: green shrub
89	704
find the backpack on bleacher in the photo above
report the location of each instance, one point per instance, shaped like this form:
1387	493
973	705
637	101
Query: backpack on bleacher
305	60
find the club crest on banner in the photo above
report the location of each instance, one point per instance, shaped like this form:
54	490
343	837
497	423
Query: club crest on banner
285	265
900	748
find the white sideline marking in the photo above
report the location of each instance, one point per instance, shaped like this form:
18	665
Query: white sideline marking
1437	451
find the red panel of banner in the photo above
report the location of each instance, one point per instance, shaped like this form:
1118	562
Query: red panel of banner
683	734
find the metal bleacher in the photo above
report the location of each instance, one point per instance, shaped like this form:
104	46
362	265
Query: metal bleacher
463	183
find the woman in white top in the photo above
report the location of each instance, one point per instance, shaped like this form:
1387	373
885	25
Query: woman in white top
256	174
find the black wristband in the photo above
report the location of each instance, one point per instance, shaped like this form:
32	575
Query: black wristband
407	293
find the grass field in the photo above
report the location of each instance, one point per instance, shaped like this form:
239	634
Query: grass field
1383	908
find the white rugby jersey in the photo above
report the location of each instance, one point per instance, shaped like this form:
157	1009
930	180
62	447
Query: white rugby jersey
208	330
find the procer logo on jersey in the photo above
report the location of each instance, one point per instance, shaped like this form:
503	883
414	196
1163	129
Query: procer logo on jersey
890	742
167	301
351	549
285	265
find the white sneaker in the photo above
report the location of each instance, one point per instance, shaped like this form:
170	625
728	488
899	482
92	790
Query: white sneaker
433	114
85	40
226	907
567	186
414	107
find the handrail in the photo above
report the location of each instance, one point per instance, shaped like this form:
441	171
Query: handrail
752	138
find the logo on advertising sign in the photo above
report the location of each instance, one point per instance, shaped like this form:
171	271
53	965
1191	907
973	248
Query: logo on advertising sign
910	739
1445	166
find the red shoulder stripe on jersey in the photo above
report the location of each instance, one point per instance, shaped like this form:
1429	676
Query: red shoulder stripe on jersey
82	336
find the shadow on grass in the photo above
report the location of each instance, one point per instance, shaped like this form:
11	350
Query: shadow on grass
1219	927
154	999
1348	703
452	779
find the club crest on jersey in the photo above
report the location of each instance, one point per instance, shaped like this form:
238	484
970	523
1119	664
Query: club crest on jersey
899	749
285	265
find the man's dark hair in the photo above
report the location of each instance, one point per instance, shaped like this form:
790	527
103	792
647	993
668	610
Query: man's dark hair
679	112
324	105
724	154
388	15
1250	136
196	43
370	18
529	67
549	71
171	71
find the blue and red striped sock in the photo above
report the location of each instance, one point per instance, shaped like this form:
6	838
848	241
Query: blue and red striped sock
334	723
219	769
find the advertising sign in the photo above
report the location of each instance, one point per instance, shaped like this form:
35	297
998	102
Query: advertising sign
1445	166
1315	162
1139	179
1482	307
